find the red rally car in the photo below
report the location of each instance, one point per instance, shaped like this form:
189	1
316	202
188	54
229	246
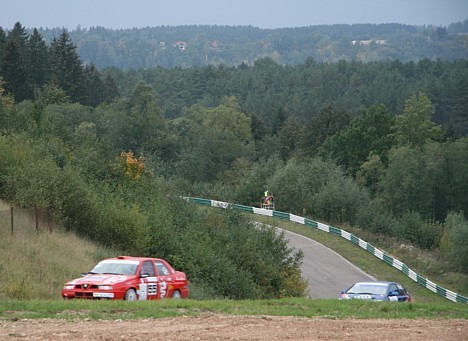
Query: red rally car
129	278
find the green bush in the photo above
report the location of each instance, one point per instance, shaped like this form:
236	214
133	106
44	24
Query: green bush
297	182
222	252
454	242
253	184
339	200
375	218
319	189
414	229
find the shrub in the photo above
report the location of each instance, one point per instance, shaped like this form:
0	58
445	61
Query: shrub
454	242
375	218
223	253
414	229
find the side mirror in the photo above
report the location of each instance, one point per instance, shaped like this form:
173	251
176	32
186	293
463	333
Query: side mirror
393	293
343	291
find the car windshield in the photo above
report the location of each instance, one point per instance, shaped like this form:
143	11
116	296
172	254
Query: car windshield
115	267
371	289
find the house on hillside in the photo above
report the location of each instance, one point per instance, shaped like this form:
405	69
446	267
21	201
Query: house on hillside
370	41
214	46
182	45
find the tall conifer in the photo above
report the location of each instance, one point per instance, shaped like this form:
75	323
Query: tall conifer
13	68
38	59
66	67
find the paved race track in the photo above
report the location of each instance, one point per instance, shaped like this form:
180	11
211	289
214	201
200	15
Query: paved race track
327	272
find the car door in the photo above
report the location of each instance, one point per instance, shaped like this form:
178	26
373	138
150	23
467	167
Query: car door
402	293
148	286
164	279
395	294
392	292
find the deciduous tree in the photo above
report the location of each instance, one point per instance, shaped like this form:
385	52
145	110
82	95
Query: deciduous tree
215	139
415	127
367	133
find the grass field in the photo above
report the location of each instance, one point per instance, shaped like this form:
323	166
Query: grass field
333	309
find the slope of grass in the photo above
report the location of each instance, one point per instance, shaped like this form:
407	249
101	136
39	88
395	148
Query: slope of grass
36	264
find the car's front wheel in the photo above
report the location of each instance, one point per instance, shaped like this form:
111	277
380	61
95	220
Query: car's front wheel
130	295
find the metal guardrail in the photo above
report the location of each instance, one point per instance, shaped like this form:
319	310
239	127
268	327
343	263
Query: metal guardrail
450	295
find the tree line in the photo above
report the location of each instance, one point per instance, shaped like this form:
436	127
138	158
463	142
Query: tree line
151	47
29	67
272	91
114	172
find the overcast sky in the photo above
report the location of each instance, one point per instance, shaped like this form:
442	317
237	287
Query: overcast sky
258	13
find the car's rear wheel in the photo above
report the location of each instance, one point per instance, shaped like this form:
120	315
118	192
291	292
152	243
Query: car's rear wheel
130	295
176	294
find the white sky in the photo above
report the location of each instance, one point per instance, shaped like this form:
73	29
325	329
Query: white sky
258	13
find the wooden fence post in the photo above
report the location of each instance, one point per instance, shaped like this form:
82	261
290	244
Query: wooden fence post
36	220
11	214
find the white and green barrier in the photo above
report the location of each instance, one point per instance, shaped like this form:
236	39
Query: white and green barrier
452	296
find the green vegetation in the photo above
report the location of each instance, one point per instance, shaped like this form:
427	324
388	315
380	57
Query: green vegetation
380	147
271	89
151	47
332	309
60	256
57	256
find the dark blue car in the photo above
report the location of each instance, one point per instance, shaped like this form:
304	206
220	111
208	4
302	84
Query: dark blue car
376	291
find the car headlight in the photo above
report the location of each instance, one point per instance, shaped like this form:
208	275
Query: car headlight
68	287
105	287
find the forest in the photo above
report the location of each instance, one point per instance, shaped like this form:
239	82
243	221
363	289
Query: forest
202	45
381	146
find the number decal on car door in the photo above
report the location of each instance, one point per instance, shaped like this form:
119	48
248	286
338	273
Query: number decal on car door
162	289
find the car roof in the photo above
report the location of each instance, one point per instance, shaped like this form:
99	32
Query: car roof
133	258
376	283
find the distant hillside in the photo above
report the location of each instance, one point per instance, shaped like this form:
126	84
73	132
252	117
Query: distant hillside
200	45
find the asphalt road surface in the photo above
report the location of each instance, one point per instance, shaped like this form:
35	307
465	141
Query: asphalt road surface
327	272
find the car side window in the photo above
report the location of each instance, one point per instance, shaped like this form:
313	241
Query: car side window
147	268
392	288
162	269
401	290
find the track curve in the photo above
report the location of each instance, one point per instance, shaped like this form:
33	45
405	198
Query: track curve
326	271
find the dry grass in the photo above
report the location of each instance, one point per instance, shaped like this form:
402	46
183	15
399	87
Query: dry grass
36	264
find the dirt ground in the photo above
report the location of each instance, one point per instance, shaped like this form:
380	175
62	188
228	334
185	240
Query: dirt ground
228	327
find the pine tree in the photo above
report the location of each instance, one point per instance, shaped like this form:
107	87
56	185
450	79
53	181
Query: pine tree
3	40
14	73
95	88
13	68
111	89
19	35
66	67
38	59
